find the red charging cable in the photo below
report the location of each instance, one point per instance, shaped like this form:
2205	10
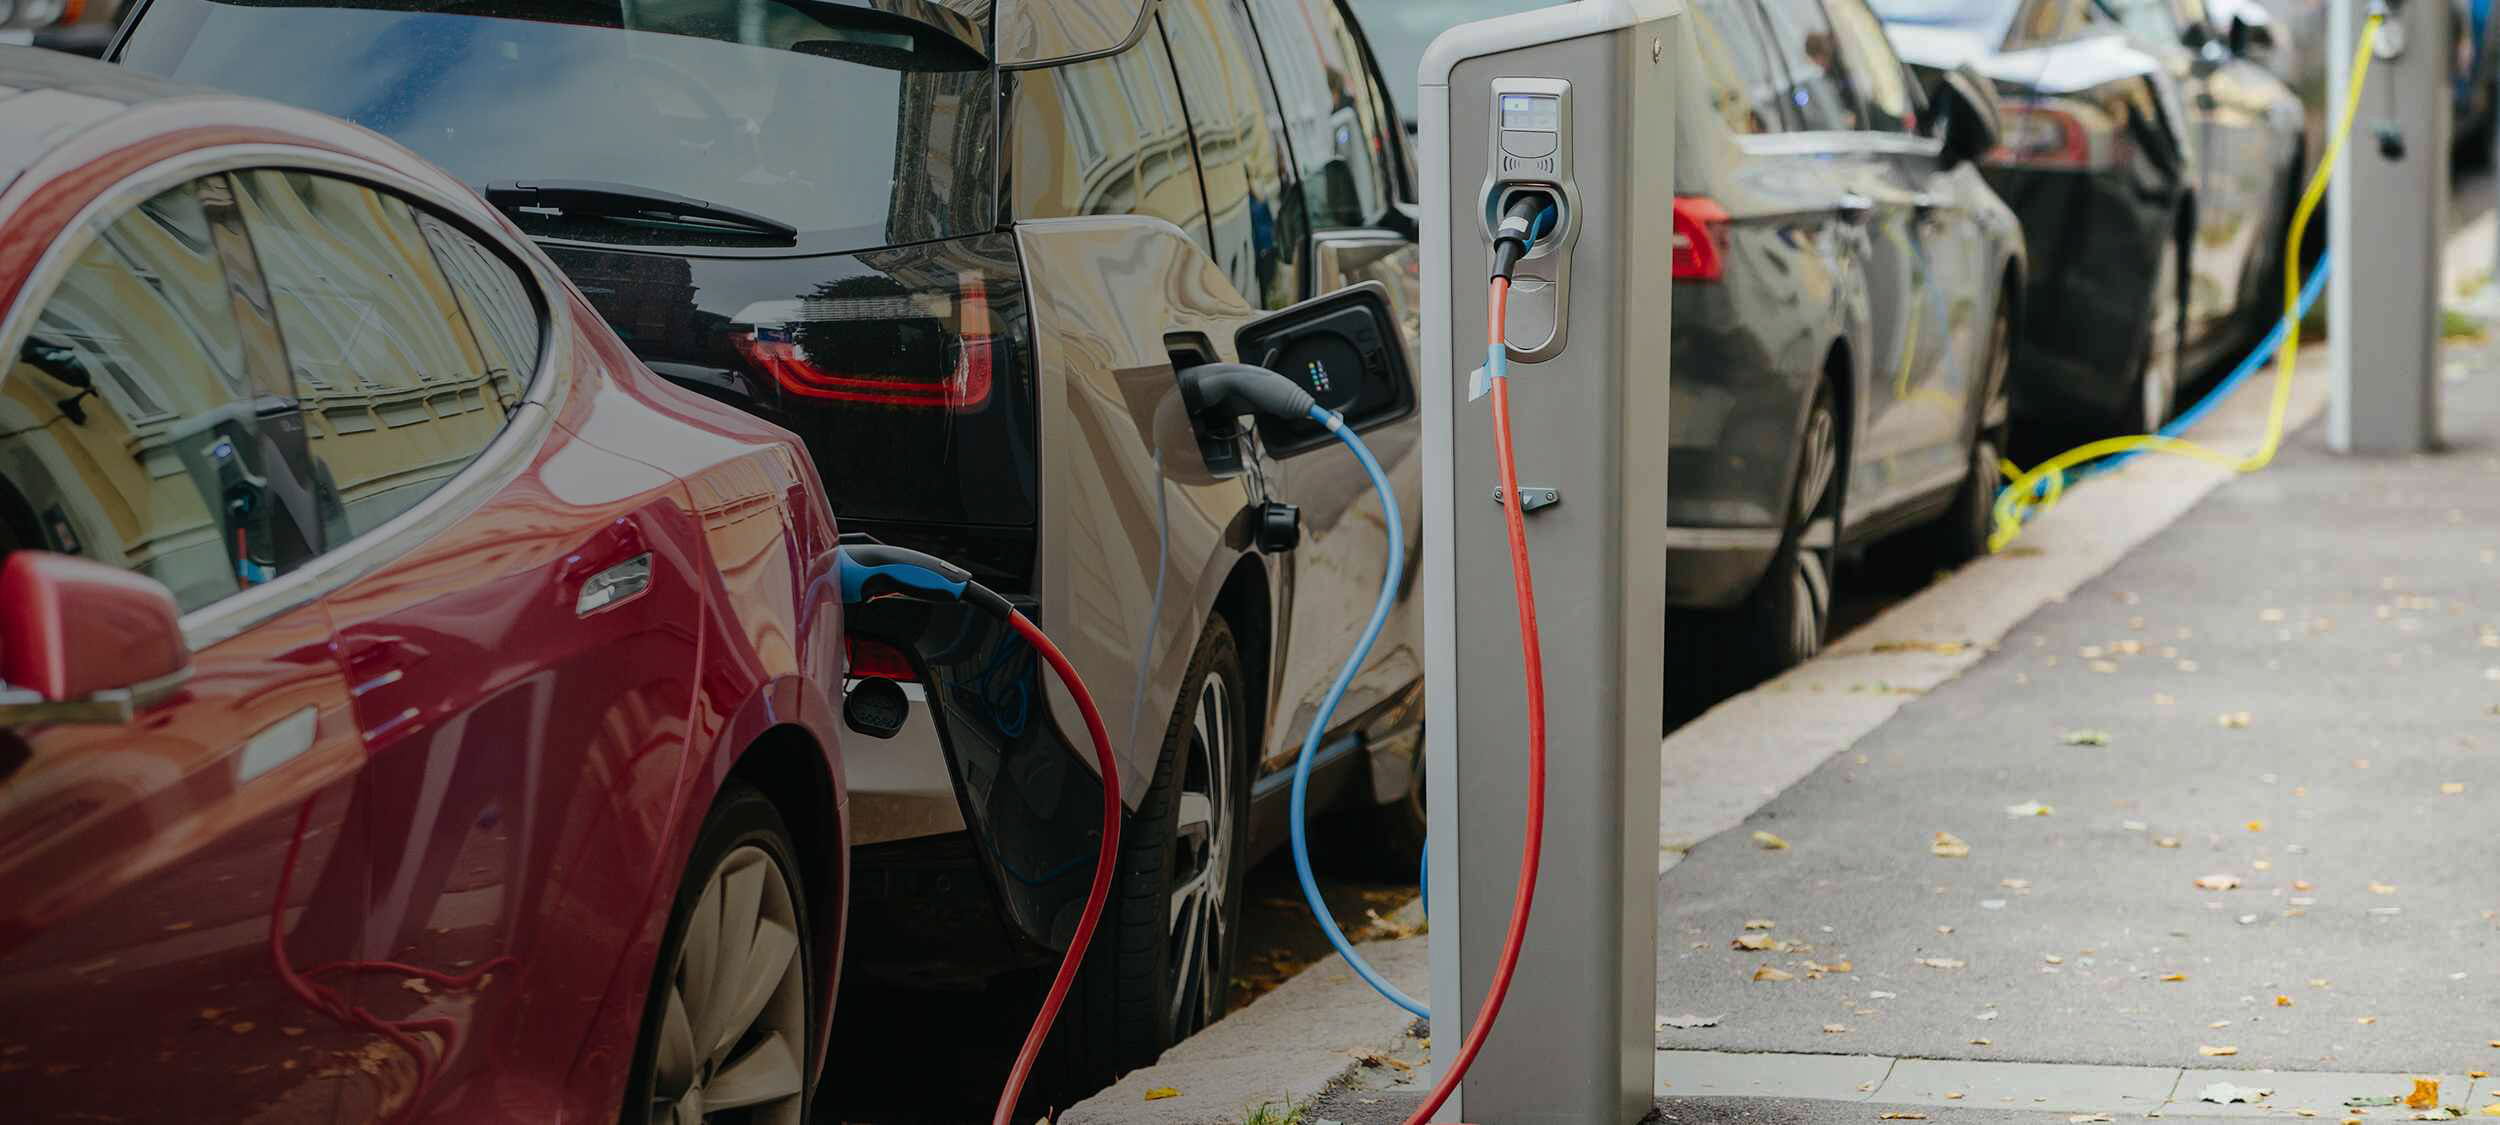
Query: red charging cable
1106	863
1531	849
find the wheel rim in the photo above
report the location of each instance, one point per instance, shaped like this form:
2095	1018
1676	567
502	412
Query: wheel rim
734	1030
1201	867
1820	465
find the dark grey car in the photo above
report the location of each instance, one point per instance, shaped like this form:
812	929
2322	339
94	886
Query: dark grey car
1844	288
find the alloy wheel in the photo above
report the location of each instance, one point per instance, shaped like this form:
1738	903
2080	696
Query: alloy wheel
1818	467
734	1033
1202	862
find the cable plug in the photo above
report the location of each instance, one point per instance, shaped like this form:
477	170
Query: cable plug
1528	217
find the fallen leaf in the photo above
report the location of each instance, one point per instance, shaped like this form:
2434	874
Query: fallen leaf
2492	1110
2224	1093
241	1027
2382	889
2282	1001
1759	923
2256	826
2030	808
2016	885
1769	843
2173	978
1949	846
2482	1074
1758	943
2425	1094
1902	1117
1985	1016
2369	1100
2087	1119
2087	738
1835	1029
1767	973
1376	1060
2365	1020
1880	994
2052	958
2230	720
1940	962
2217	1052
1814	967
2218	1025
1161	1092
1689	1022
2303	885
1982	1042
1953	1095
2452	788
2223	882
2166	842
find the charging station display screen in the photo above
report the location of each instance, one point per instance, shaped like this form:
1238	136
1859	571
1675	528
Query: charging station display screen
1539	112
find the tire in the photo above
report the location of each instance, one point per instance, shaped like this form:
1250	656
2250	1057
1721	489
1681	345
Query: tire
743	892
1962	535
1784	620
2154	393
1151	978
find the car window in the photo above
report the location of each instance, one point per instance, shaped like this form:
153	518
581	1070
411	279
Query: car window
1875	73
1106	137
495	300
1331	123
398	392
1818	83
856	130
1256	221
143	421
1743	83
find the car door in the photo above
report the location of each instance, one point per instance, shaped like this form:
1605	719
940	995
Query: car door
519	647
2229	150
173	889
1869	192
1337	132
1952	305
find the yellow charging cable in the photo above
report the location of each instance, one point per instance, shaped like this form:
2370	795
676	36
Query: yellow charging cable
2039	488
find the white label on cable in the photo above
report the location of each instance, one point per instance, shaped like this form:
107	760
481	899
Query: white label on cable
1479	384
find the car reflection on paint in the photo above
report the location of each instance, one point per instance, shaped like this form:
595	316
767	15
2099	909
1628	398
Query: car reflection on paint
411	709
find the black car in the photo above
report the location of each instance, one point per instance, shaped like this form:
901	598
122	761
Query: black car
960	246
2155	171
1844	288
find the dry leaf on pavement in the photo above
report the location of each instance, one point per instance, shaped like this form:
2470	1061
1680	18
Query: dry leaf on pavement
1902	1117
1940	962
1769	843
2230	720
1835	1029
2425	1094
1767	973
1689	1022
2282	1001
2213	1052
2224	1093
2382	889
1755	923
2173	978
1949	846
2030	808
2224	882
2087	738
1161	1092
2087	1119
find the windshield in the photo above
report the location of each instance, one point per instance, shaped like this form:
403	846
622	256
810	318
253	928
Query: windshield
857	128
1399	31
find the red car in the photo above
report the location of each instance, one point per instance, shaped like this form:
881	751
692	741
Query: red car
411	709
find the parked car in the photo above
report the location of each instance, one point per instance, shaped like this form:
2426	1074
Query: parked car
1845	285
960	247
411	708
2154	182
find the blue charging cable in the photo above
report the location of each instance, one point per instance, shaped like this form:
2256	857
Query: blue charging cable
2248	365
1389	581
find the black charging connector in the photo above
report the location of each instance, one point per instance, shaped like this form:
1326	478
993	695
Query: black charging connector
1528	215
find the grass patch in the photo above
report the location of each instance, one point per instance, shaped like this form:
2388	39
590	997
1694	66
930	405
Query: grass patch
2454	325
1274	1115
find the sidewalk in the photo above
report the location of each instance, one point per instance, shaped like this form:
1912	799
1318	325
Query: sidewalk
2337	604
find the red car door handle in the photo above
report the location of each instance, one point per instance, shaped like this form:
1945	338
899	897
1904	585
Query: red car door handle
611	569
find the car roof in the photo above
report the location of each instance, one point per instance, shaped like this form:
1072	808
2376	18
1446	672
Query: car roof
47	98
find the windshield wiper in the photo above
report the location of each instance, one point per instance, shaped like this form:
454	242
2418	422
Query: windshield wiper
627	203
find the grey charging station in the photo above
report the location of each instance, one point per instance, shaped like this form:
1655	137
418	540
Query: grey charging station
1578	100
2386	221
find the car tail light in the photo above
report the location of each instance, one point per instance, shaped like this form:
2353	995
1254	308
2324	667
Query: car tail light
1700	224
2064	135
878	346
870	658
36	14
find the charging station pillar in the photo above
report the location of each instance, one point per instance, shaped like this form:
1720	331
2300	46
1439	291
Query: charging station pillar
2386	223
1590	89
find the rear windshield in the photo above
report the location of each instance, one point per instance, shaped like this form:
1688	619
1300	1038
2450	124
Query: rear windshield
1986	18
856	127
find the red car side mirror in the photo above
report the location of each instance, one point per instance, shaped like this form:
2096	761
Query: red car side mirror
79	639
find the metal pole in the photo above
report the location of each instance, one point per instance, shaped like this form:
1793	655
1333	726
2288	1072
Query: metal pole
2386	218
1588	328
